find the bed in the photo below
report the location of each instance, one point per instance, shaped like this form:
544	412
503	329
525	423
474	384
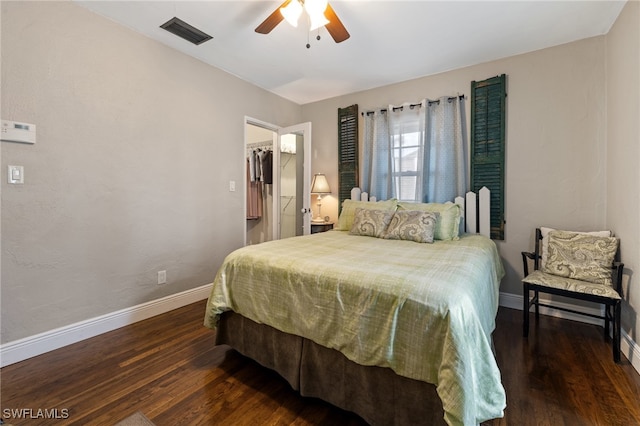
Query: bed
398	332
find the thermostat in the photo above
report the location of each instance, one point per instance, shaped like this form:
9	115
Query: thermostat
12	131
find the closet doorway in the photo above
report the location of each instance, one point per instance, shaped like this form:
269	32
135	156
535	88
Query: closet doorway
278	179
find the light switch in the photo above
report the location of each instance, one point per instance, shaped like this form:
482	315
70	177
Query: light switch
232	186
16	174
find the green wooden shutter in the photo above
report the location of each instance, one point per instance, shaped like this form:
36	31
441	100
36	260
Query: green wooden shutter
488	105
347	152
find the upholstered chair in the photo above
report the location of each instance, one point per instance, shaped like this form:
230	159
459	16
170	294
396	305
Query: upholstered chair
579	265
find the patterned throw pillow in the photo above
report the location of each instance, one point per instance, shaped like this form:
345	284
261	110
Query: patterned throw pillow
448	224
580	256
370	223
412	225
545	240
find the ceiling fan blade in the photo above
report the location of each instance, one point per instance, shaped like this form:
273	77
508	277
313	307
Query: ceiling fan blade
335	27
272	20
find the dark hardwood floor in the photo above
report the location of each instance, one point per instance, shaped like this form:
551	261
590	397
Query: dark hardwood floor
168	368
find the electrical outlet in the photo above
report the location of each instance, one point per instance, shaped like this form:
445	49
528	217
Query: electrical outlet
162	277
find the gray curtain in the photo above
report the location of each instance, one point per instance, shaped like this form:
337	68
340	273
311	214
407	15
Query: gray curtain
376	175
445	162
416	152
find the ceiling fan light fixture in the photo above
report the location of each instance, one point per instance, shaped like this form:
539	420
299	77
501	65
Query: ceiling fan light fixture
315	9
319	12
292	12
318	21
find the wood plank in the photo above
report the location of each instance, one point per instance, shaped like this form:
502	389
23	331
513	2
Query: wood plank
463	221
471	212
484	221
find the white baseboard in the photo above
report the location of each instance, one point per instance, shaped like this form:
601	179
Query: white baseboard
627	346
31	346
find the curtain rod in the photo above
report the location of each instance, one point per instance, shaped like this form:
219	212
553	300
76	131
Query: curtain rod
437	101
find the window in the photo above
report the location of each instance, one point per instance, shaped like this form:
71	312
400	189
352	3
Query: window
416	152
406	167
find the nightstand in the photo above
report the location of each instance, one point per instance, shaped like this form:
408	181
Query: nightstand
321	227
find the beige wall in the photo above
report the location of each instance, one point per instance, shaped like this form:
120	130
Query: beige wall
130	174
623	153
555	164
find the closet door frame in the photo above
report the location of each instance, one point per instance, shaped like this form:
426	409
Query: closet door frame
305	130
276	166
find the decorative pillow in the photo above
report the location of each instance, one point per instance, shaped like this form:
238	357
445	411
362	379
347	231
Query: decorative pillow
370	223
545	241
448	223
412	225
581	256
345	221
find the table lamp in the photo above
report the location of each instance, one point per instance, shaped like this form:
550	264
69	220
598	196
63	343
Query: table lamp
319	186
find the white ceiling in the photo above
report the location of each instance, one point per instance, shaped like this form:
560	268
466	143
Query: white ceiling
391	41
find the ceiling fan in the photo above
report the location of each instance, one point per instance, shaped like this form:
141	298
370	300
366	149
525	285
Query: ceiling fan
320	13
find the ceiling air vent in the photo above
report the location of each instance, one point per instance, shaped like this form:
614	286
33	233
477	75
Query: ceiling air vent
182	29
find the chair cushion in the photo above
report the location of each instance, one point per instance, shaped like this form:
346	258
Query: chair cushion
580	256
577	286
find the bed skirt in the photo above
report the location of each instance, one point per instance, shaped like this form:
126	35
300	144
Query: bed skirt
376	394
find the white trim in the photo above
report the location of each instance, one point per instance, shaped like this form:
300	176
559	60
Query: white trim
514	301
627	346
249	121
31	346
22	349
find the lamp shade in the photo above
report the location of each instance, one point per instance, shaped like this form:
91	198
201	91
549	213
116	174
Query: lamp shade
292	12
315	9
320	184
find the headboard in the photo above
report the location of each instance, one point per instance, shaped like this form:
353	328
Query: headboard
476	208
477	212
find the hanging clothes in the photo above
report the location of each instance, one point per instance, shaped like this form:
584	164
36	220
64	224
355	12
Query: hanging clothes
251	158
266	166
258	164
261	165
254	193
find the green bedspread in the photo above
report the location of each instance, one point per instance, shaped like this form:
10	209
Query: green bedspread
426	311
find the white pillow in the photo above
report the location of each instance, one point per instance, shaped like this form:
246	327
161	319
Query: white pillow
545	241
